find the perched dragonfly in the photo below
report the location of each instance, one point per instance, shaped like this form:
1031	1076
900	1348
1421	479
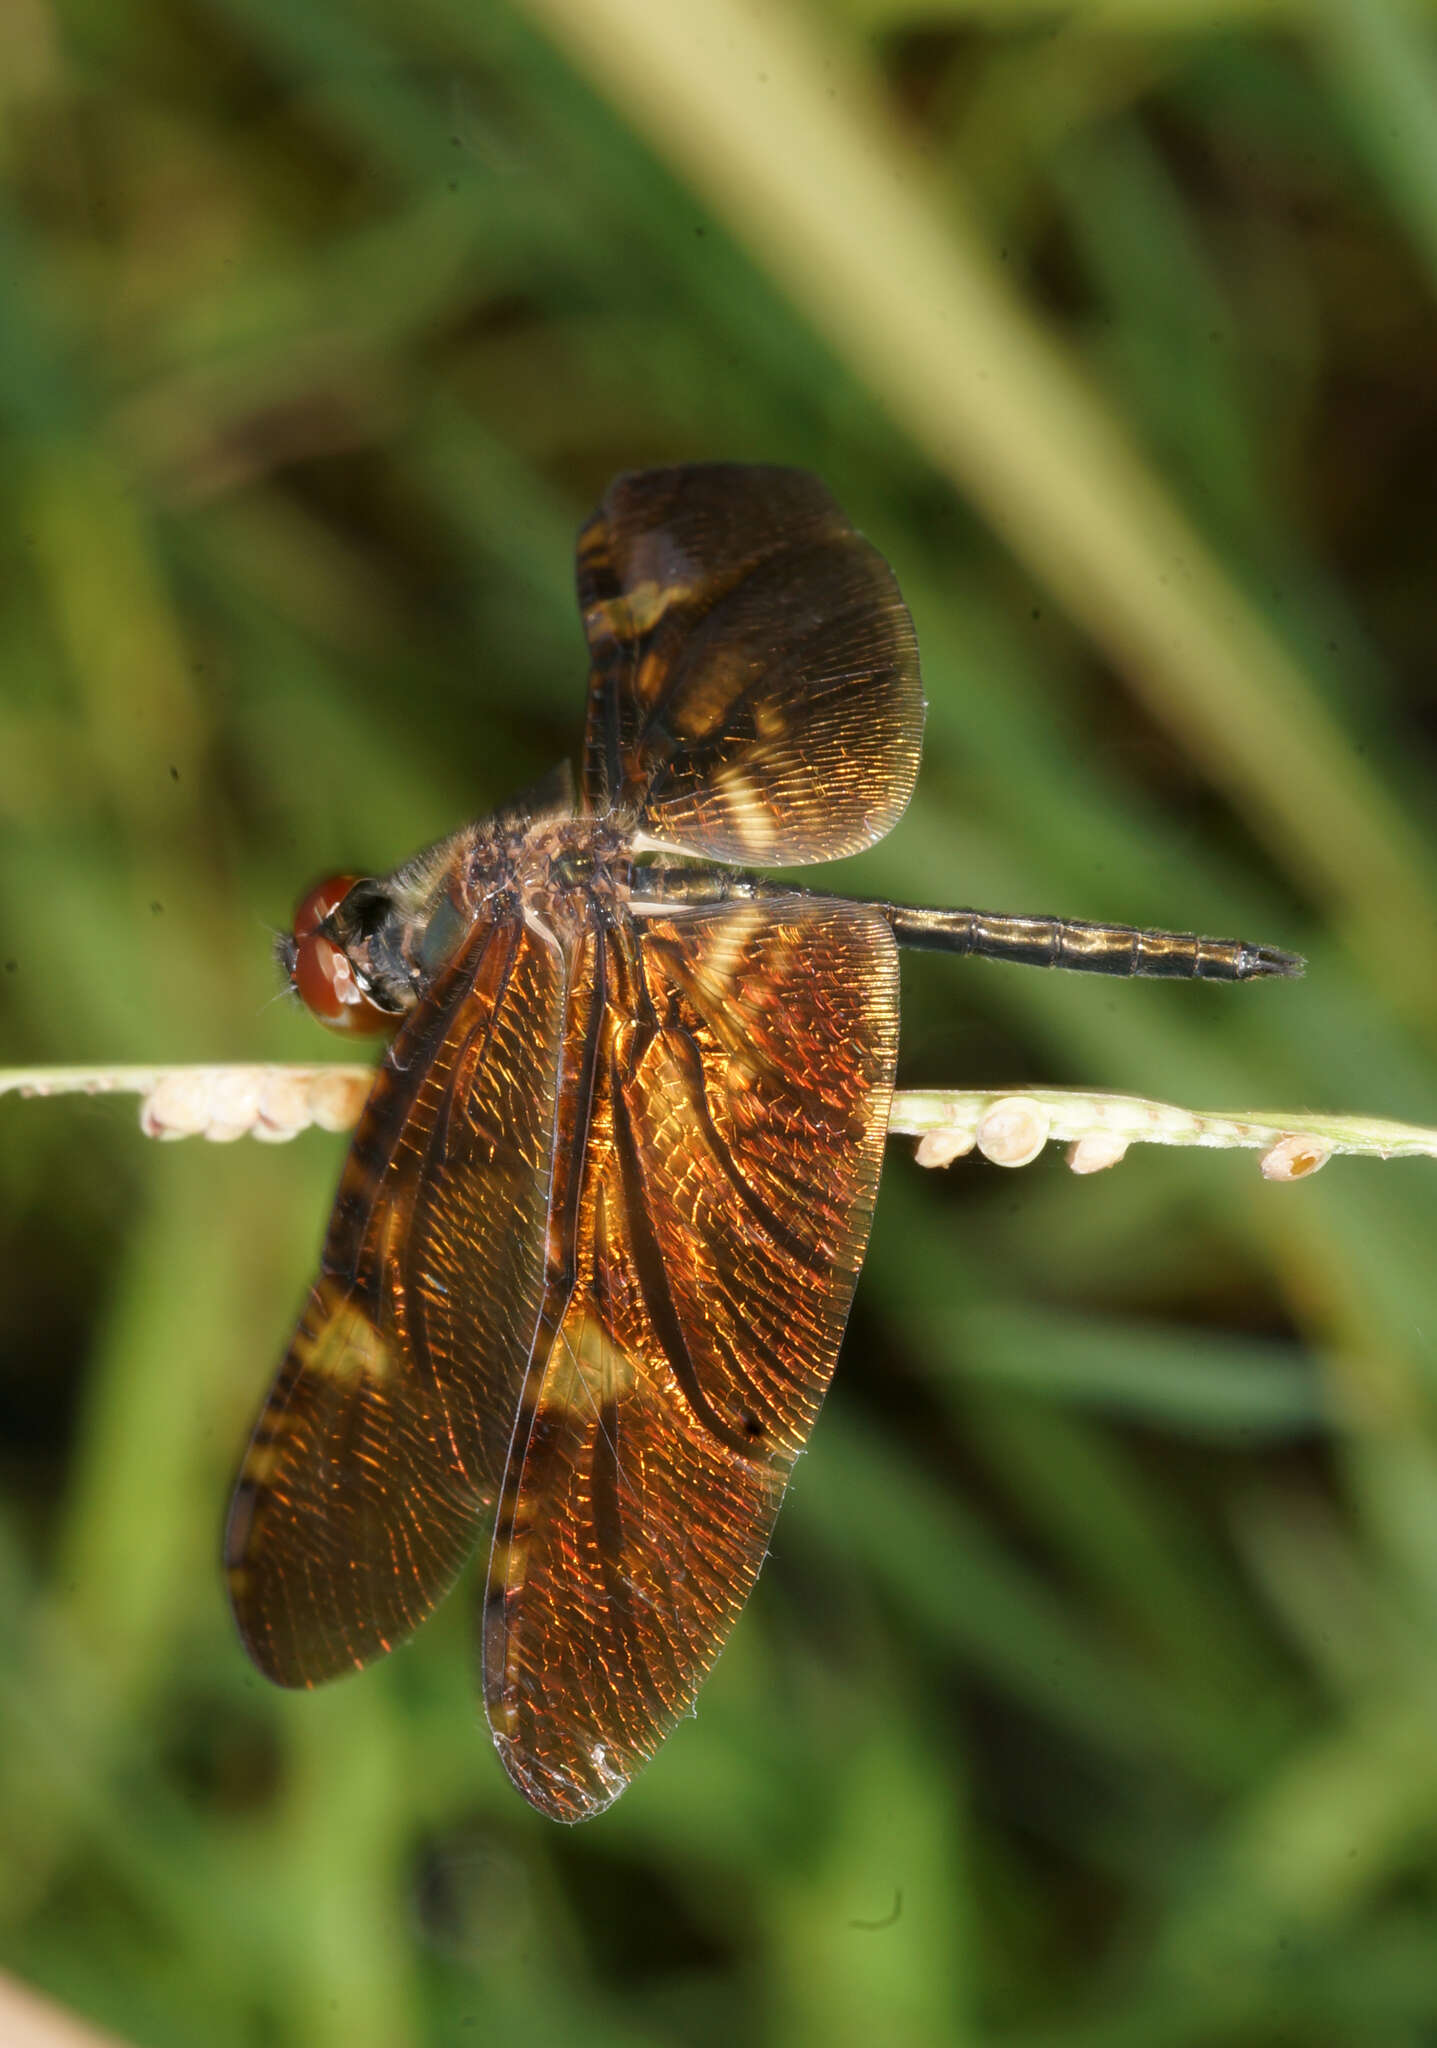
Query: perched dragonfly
598	1233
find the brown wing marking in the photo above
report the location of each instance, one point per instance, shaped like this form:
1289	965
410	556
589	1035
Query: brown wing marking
382	1443
755	694
734	1142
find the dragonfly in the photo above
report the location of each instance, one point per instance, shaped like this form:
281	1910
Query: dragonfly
600	1227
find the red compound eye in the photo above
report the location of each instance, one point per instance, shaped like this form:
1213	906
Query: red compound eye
322	973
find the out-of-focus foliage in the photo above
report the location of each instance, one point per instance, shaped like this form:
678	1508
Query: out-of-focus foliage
1089	1699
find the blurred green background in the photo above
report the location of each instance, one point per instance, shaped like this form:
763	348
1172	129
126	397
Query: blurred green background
1089	1698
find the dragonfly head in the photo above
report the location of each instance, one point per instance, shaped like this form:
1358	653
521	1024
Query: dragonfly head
330	921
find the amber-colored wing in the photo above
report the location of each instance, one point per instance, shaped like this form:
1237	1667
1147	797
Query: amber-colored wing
383	1441
755	694
739	1104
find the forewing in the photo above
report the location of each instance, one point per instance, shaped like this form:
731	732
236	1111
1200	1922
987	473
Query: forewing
755	694
383	1440
728	1183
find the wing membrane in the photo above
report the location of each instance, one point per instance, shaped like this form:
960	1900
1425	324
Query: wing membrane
382	1443
735	1132
755	692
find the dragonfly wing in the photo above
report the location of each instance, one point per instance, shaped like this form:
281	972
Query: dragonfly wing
755	694
381	1446
737	1119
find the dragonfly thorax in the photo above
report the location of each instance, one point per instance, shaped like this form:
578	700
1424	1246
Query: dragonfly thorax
563	868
